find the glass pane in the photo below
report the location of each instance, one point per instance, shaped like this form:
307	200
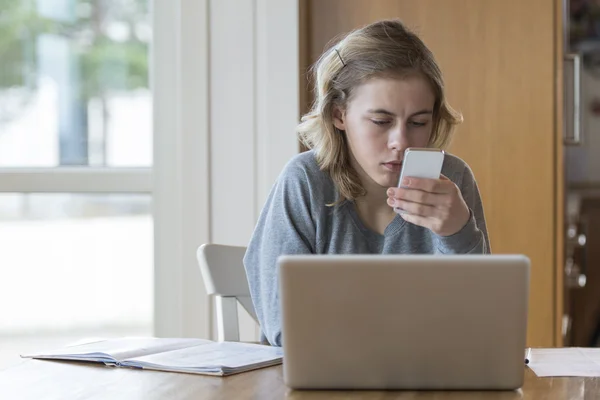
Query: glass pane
71	267
74	83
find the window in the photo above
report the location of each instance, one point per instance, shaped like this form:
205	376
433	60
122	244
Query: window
75	157
74	83
76	262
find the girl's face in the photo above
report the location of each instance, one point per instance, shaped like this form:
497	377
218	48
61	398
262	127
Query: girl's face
384	117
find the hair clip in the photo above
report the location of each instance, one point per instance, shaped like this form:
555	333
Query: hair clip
341	59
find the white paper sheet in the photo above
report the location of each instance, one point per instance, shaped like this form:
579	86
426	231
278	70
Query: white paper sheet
567	361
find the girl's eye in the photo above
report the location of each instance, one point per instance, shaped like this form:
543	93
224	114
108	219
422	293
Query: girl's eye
380	122
415	123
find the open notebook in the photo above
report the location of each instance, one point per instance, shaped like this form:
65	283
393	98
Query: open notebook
196	356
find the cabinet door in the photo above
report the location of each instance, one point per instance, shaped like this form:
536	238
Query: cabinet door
498	59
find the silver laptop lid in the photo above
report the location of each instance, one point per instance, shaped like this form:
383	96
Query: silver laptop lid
404	322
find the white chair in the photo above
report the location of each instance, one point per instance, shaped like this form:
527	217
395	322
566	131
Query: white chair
224	277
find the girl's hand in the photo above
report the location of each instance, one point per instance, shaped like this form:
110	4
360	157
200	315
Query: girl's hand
436	204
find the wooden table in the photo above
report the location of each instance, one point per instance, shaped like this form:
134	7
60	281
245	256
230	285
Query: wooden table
48	380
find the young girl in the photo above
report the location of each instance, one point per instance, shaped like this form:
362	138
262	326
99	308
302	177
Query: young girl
378	92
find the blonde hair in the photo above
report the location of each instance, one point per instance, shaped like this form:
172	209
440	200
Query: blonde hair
382	49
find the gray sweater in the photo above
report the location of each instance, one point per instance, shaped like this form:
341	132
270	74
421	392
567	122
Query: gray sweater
296	220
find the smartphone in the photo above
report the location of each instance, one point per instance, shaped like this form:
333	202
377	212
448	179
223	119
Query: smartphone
421	163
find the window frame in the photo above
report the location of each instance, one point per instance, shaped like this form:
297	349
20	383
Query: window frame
193	193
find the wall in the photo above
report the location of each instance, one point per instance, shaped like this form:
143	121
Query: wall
226	108
254	111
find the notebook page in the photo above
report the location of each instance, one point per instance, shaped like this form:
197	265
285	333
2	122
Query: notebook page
119	349
217	355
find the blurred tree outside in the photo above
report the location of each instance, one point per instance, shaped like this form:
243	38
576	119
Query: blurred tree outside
108	38
19	26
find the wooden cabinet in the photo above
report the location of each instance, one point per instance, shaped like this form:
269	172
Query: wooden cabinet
583	307
501	65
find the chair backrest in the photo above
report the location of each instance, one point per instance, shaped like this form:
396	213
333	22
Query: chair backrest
224	277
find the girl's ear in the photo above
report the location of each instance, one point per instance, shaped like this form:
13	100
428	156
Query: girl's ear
339	118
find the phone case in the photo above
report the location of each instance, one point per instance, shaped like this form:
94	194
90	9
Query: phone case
422	163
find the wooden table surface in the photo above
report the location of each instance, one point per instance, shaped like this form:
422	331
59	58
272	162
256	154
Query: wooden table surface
41	379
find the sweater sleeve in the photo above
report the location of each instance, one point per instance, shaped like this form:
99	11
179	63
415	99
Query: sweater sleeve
473	237
285	226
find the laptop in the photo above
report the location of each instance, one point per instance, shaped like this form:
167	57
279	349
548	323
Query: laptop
413	322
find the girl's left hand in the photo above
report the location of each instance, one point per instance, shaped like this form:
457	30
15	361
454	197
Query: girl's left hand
436	204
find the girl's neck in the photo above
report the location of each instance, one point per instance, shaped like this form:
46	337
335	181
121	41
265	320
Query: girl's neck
372	208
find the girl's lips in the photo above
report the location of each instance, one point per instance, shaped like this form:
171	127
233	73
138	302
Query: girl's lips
393	166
